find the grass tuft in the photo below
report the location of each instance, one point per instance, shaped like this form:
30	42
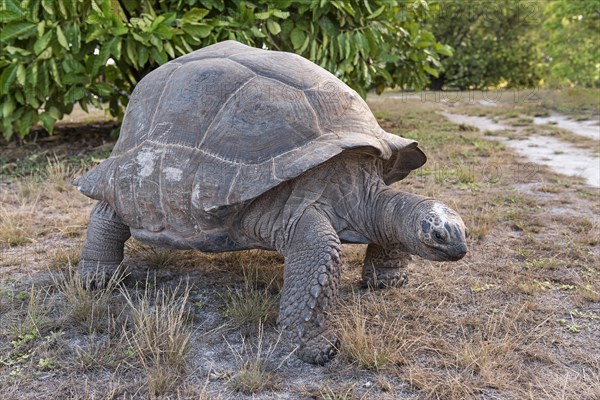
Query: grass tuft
254	373
62	259
250	306
95	309
369	339
58	174
27	317
160	334
155	257
16	228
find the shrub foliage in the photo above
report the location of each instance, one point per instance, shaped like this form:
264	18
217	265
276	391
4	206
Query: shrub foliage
57	53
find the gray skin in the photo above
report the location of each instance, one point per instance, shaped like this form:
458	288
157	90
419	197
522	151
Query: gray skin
292	172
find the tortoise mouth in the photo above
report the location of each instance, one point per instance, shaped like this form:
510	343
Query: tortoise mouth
453	253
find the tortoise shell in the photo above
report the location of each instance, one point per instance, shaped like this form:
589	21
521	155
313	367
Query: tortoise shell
218	127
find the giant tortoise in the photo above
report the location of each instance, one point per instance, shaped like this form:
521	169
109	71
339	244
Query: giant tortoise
232	147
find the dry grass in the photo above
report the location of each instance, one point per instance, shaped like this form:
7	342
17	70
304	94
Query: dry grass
93	310
370	335
153	256
250	306
16	227
58	175
62	259
26	317
517	318
254	372
160	334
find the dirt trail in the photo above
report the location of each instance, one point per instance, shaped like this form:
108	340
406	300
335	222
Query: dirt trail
563	157
590	129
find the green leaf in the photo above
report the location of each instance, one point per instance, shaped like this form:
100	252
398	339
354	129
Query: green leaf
73	36
47	121
304	45
194	15
102	89
97	19
273	27
376	13
21	74
16	30
7	130
94	35
55	113
142	56
7	78
431	71
18	95
281	14
8	107
218	4
15	50
71	67
31	77
130	51
169	18
159	56
257	33
197	30
54	72
444	50
119	31
104	54
74	79
62	7
25	121
74	94
62	40
46	54
169	49
42	80
262	15
297	36
10	11
48	6
42	43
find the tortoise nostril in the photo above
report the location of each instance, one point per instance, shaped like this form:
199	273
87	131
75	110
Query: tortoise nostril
461	251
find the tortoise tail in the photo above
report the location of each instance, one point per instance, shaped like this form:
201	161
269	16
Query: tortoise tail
94	182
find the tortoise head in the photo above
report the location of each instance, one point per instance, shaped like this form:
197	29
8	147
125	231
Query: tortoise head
439	233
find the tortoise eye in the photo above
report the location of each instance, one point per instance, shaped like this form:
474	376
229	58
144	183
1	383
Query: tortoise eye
438	236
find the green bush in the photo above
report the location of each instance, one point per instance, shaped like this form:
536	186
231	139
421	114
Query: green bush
573	29
57	53
494	42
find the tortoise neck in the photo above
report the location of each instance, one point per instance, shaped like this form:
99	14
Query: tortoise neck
395	214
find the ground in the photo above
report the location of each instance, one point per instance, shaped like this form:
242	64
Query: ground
517	318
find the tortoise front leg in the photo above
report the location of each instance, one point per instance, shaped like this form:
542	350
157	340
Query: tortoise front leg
385	267
311	279
103	249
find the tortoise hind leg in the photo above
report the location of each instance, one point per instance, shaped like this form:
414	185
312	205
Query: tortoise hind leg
103	249
385	267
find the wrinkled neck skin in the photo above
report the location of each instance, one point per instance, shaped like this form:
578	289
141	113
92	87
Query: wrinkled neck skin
395	215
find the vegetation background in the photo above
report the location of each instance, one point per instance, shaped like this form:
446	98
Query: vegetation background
55	54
